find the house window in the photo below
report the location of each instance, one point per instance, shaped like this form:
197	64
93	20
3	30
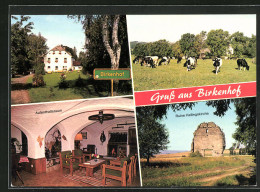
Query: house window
207	130
64	67
53	52
56	67
56	60
60	52
65	60
49	60
49	67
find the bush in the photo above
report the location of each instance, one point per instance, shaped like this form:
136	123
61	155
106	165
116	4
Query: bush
39	69
195	154
79	82
63	84
38	80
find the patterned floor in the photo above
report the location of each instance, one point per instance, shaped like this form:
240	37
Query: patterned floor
80	176
56	179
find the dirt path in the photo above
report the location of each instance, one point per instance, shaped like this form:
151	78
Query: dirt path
19	93
211	180
187	174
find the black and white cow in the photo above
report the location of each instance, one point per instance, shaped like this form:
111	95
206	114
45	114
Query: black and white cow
165	61
179	59
148	61
137	59
190	63
155	60
217	63
242	63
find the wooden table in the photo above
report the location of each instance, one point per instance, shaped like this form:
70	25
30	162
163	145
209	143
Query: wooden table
91	165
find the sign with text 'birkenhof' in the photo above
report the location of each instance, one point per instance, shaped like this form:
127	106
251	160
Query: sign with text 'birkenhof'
109	74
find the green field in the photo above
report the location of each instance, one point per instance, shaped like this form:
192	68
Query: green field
175	75
51	91
166	171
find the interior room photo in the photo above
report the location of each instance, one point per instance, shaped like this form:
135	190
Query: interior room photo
89	143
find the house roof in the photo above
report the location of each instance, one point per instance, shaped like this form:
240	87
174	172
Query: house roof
76	63
60	48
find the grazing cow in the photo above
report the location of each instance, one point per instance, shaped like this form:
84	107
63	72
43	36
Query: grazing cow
147	61
165	61
190	63
242	63
179	59
217	63
137	59
155	59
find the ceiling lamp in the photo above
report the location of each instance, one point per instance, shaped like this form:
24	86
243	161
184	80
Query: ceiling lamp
101	117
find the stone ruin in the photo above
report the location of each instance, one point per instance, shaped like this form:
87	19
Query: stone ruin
208	138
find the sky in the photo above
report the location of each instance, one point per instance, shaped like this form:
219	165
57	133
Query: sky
58	29
181	129
149	28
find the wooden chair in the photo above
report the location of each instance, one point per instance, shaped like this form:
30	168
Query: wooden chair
67	161
80	156
130	168
16	168
118	173
135	161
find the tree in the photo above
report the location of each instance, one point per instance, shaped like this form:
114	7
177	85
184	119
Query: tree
176	48
200	42
250	47
246	119
187	45
238	42
37	48
246	122
153	136
112	44
218	41
106	43
140	49
161	48
20	63
73	51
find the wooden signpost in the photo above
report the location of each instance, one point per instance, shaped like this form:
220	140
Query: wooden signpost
111	74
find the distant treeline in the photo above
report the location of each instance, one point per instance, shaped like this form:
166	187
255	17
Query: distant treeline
214	43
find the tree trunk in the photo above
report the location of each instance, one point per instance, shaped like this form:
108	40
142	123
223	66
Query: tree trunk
114	51
148	160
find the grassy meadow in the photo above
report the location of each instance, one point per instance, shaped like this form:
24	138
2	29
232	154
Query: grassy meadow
51	92
169	170
176	76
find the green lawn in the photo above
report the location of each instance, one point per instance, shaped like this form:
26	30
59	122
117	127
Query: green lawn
52	92
176	76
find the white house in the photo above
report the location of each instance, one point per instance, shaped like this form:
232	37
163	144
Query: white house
230	50
77	66
58	60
